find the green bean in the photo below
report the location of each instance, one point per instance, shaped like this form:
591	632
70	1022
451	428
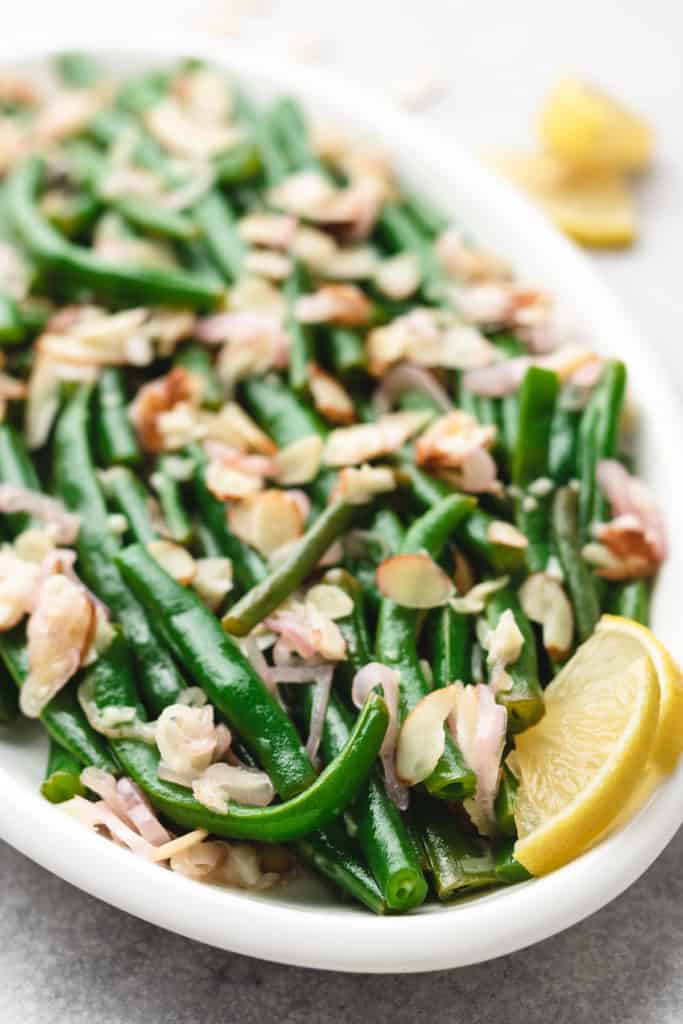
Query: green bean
346	353
62	776
116	440
396	642
504	805
632	600
241	163
9	705
379	829
332	853
403	234
508	871
16	468
147	285
195	358
278	411
450	644
218	226
524	699
174	514
597	440
155	219
272	160
563	439
129	497
262	599
300	335
579	579
12	326
97	548
537	397
430	221
248	567
459	863
77	70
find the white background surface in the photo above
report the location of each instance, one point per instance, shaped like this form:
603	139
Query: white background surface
496	58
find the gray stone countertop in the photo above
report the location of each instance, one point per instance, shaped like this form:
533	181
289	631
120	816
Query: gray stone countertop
66	958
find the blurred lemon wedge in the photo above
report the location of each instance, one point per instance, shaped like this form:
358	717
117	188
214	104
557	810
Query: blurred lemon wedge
594	209
587	757
586	128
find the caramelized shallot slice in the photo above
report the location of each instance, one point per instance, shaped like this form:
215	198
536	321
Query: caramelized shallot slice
414	581
422	738
365	680
479	730
59	634
544	600
64	525
220	783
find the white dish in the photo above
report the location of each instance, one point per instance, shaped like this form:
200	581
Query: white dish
304	925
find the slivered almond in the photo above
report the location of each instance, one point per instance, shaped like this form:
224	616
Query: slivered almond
359	485
422	738
267	520
500	532
174	559
330	398
414	581
544	600
299	462
230	484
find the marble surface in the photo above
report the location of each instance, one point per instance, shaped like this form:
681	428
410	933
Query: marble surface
67	959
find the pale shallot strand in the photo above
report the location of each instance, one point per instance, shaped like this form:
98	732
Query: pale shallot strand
365	680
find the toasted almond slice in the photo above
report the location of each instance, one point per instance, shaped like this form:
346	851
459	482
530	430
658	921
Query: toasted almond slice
177	387
500	532
268	263
414	581
230	484
350	446
273	230
422	738
332	601
330	398
177	562
234	427
299	462
213	580
343	304
267	520
474	602
399	277
504	643
543	599
358	486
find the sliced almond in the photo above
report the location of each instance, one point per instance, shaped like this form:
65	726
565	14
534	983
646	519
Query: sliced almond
332	601
414	581
543	599
349	446
342	304
273	230
179	386
234	427
174	559
267	520
230	484
504	643
299	462
399	277
213	580
474	601
422	738
268	263
500	532
358	486
330	398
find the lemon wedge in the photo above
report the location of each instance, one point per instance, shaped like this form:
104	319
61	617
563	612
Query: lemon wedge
585	127
594	209
584	760
625	640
